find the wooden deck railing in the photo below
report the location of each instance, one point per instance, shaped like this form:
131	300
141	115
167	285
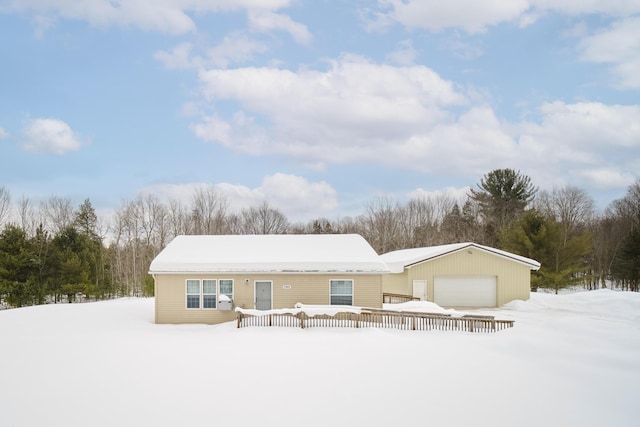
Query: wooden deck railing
388	298
374	318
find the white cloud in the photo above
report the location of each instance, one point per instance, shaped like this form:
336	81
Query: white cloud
584	141
266	21
579	30
293	195
339	115
180	57
618	46
584	7
50	136
234	49
3	133
586	126
474	16
409	118
608	178
298	197
405	54
469	15
169	16
457	194
463	49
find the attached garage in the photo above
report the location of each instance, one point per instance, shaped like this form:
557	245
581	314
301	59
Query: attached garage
465	291
459	275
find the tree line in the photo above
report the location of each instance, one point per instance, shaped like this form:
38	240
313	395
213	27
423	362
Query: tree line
57	252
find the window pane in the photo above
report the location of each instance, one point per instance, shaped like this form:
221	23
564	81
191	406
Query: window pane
209	301
226	287
193	287
208	286
341	287
341	300
193	301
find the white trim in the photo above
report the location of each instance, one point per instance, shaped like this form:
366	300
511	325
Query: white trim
233	289
255	300
186	294
353	290
400	260
215	293
255	272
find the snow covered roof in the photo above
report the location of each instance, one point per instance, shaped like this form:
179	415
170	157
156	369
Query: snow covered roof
309	253
398	260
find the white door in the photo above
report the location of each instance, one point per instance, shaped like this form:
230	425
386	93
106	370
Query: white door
465	291
420	289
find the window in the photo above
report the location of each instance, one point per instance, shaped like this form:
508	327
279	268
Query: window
209	293
226	288
203	294
193	293
341	292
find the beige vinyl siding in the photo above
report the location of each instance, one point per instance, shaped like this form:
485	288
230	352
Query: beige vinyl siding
513	278
397	283
287	289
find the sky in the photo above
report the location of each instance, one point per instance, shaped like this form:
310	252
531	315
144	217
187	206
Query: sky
316	107
569	360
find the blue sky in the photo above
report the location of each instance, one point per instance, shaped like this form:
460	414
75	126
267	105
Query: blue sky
317	107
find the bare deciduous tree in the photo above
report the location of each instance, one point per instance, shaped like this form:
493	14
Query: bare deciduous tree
571	206
5	204
382	225
209	211
264	219
58	213
179	218
27	217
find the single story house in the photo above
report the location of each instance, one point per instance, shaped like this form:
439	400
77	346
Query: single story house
199	279
459	275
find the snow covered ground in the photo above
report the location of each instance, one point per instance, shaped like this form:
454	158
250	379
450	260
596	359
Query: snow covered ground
570	360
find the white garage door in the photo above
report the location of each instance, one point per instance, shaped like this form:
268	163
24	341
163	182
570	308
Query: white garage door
465	291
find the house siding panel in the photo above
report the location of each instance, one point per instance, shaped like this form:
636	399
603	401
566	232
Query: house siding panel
288	289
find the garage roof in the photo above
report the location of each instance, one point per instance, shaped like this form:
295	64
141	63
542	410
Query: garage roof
397	261
309	253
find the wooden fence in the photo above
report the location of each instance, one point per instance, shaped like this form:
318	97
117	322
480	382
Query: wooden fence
388	298
373	318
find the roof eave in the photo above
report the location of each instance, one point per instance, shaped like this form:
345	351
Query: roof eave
533	266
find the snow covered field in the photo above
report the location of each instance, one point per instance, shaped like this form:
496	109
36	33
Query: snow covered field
570	360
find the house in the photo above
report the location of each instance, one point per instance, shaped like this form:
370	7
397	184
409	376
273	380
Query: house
459	275
199	279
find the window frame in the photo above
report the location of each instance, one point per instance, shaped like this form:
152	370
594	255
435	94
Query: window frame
352	294
233	288
209	294
188	294
201	294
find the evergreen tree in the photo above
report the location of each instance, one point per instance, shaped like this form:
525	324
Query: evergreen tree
74	263
542	238
16	267
92	252
86	219
626	266
453	226
502	195
42	272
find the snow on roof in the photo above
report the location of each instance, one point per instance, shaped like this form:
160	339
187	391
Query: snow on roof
398	260
310	253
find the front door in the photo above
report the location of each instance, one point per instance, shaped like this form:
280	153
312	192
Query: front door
263	295
420	289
